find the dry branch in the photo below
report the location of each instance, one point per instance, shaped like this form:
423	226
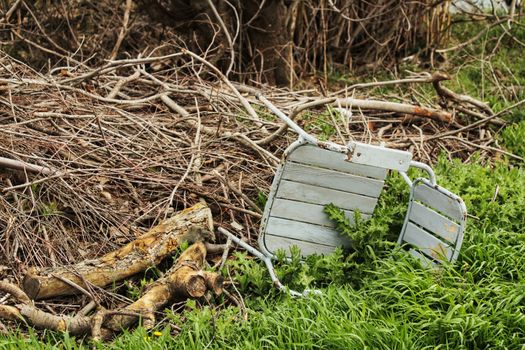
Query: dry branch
370	104
189	225
25	311
123	31
24	166
44	320
420	111
183	280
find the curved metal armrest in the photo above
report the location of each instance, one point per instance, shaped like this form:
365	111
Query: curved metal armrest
422	166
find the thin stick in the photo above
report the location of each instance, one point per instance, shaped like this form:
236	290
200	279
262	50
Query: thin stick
245	140
24	166
227	34
238	192
190	164
474	38
31	183
225	79
225	253
10	12
116	89
475	124
123	31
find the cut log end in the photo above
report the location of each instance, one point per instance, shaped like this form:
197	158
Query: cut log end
214	282
31	286
195	286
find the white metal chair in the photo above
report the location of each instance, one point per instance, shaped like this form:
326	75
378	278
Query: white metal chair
313	174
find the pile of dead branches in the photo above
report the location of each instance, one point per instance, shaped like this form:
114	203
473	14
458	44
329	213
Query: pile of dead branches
93	156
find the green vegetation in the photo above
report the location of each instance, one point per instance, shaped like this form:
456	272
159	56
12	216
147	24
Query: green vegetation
377	296
322	124
513	137
50	209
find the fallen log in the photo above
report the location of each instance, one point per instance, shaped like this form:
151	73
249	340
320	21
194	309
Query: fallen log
190	225
184	280
25	311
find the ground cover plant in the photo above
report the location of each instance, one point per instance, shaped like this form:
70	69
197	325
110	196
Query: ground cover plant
378	297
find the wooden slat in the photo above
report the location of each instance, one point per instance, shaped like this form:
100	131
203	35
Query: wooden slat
274	243
301	231
427	243
332	179
426	262
438	201
323	196
434	222
312	155
306	212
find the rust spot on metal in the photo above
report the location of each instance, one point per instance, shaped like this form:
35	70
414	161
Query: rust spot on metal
324	145
439	252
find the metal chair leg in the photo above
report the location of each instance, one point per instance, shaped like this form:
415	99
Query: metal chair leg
269	265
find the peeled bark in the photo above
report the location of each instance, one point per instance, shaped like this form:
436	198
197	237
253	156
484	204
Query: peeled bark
26	312
185	279
427	112
190	225
43	320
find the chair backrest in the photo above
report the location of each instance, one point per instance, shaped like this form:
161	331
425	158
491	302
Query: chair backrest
308	178
434	224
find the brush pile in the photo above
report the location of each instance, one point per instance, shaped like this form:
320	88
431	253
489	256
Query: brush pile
117	148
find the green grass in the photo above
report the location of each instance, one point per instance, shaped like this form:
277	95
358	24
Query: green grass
322	124
377	297
513	137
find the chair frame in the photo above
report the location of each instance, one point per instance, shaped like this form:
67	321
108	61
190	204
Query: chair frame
380	157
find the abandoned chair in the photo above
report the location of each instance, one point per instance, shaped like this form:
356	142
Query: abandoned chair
313	174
